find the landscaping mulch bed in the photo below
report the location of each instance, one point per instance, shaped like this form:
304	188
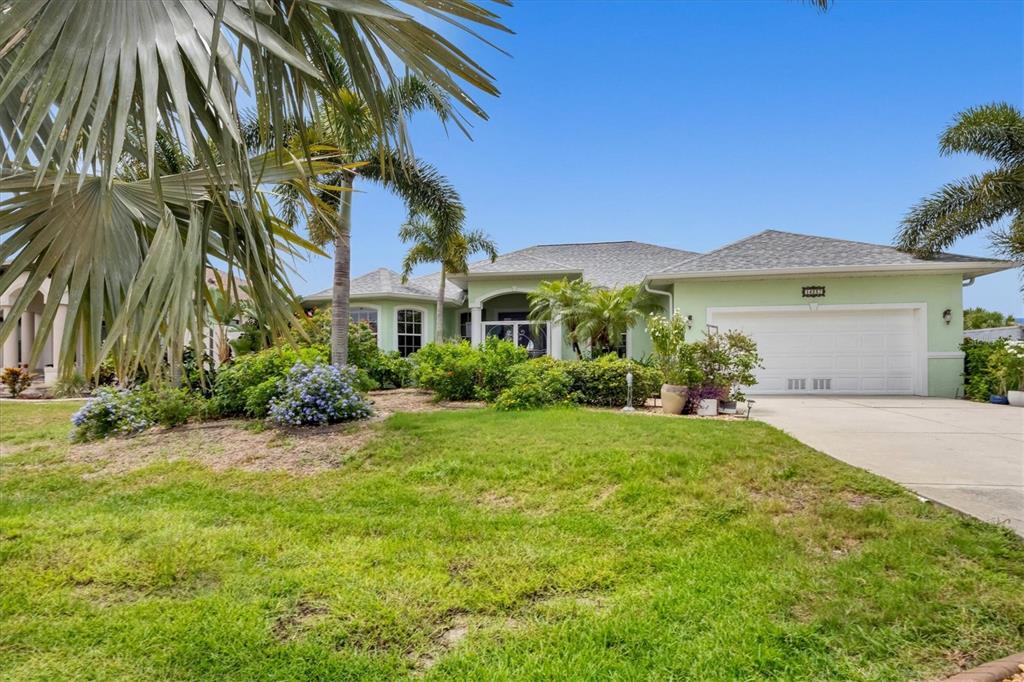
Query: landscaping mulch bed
249	446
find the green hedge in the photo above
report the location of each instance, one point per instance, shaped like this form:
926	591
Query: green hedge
979	380
536	383
603	381
457	371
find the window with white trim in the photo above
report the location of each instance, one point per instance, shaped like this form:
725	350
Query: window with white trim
410	331
466	326
367	315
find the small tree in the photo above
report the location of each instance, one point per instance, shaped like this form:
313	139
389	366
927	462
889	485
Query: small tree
446	243
610	313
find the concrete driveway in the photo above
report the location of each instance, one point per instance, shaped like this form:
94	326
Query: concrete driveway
966	455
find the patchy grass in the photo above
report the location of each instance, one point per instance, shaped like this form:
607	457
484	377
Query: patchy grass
563	544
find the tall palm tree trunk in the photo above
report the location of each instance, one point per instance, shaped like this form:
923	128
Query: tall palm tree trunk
342	275
439	312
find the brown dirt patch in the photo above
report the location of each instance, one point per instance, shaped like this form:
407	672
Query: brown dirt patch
239	444
293	624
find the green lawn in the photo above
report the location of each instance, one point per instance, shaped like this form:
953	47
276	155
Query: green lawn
483	545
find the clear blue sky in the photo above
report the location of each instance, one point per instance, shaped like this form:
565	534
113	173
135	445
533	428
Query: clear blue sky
692	124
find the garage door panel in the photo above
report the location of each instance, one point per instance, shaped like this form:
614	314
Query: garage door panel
823	351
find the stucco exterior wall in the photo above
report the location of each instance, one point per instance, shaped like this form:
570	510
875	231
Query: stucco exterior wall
936	292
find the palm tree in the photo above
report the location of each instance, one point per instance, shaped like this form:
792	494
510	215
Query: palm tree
434	242
83	83
562	301
959	209
346	121
609	313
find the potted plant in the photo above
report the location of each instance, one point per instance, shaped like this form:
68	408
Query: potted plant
726	361
674	359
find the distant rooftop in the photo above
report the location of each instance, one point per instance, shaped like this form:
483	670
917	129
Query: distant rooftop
384	282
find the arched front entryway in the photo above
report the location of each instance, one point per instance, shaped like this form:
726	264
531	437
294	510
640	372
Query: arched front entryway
504	315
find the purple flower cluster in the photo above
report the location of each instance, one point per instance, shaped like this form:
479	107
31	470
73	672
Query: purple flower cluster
318	394
108	412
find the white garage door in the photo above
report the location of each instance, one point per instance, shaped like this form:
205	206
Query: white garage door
822	351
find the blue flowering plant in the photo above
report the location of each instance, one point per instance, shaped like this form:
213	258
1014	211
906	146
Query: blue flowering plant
318	394
110	412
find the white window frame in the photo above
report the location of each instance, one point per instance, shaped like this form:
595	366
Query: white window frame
423	326
367	306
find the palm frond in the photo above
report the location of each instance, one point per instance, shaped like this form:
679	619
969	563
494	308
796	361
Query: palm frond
98	243
960	209
73	70
995	131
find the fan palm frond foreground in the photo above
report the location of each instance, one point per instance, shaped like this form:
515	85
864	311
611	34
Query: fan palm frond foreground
87	84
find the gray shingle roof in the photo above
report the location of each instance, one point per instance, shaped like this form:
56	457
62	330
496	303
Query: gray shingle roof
607	264
384	283
775	250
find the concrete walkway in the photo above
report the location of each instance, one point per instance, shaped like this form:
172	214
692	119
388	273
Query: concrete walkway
969	456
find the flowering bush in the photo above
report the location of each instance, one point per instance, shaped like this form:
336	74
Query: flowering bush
247	385
318	394
1006	365
110	411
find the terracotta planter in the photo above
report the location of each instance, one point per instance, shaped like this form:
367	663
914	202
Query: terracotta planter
1016	398
707	407
673	398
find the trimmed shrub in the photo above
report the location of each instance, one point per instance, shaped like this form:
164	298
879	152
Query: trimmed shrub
457	371
109	412
497	358
169	406
391	370
247	385
603	381
318	394
536	383
362	345
16	380
448	369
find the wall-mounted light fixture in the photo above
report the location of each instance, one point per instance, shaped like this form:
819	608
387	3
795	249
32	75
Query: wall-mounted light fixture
689	321
947	315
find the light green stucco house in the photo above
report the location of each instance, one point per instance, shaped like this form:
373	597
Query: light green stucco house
829	315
